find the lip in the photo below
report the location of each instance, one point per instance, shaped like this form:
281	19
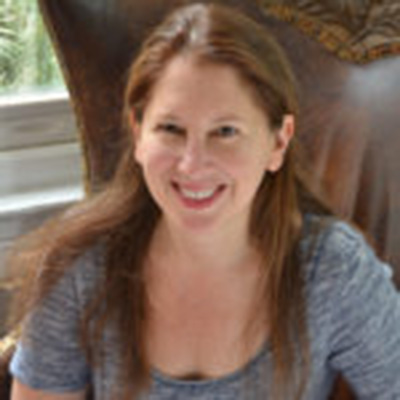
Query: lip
198	204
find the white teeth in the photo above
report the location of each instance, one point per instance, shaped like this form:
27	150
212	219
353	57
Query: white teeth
197	195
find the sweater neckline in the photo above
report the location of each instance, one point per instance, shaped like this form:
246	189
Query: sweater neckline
164	378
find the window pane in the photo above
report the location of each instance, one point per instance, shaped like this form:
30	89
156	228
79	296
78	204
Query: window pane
27	61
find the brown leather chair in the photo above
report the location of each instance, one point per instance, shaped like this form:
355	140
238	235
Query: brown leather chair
345	55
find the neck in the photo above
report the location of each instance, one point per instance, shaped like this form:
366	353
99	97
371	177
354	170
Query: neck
212	251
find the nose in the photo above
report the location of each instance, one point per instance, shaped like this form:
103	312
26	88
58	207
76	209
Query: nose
193	158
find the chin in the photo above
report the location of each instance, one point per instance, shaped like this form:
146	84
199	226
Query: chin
196	223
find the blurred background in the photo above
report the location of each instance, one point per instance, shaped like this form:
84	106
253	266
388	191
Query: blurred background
40	160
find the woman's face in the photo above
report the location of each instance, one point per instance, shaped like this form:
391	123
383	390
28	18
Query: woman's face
204	145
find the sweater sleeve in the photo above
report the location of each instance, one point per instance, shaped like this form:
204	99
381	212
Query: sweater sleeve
365	335
49	357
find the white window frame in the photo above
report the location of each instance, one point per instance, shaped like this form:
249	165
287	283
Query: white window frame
40	156
40	162
30	120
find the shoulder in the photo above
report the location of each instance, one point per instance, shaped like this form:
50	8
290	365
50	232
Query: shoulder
346	283
50	342
354	307
76	286
335	250
342	271
85	274
329	236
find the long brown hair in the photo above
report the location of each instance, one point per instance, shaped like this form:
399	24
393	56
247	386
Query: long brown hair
123	212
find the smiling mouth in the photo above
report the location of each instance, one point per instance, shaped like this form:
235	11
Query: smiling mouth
198	198
197	195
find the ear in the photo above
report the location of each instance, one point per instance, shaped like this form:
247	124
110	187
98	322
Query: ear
135	129
282	138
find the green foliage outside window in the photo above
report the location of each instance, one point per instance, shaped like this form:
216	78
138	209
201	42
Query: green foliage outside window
27	60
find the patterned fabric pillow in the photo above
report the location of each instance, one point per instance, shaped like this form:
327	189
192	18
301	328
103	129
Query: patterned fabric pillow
355	30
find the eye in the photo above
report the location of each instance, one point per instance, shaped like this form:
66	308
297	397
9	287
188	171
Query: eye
227	131
169	127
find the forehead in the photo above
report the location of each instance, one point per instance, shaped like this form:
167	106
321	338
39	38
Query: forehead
209	88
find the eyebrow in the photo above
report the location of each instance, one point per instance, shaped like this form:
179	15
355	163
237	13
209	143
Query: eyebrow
230	117
169	116
224	118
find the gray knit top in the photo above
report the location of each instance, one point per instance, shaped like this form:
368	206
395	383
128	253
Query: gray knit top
353	322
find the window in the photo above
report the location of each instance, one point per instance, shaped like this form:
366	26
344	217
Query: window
40	160
27	62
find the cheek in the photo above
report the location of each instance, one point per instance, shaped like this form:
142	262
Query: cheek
248	173
246	163
154	158
252	175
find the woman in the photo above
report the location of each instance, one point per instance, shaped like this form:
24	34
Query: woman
207	268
